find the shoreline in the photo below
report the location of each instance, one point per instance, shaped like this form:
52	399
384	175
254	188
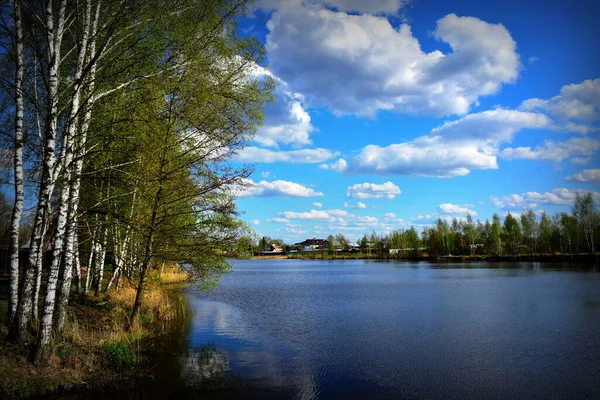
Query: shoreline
97	350
579	258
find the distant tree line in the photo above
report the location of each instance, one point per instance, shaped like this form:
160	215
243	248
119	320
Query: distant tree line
562	233
529	234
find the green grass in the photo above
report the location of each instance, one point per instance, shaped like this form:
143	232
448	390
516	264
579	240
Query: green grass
119	355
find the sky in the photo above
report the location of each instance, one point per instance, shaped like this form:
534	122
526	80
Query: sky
392	113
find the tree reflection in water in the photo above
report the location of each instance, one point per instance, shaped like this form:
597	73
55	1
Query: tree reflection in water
206	367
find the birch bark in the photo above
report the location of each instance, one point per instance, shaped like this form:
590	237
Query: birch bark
15	220
27	306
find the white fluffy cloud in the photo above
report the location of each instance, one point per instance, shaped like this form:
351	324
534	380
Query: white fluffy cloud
278	220
391	218
575	102
338	166
341	219
275	189
317	204
286	120
426	220
587	175
338	213
361	6
448	208
452	149
360	64
560	196
303	156
315	215
366	6
580	160
556	151
366	190
359	205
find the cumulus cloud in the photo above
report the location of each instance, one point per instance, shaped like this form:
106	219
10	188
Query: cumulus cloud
575	102
359	205
452	149
286	120
555	151
338	218
560	196
303	156
315	215
291	233
391	218
317	204
580	160
366	190
360	64
338	213
256	222
278	220
448	208
275	189
361	6
338	166
587	175
426	220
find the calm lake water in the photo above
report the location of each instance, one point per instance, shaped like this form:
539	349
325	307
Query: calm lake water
360	329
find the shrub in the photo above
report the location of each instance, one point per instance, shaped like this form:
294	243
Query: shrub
119	355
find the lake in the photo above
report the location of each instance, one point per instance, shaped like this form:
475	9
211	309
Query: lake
366	329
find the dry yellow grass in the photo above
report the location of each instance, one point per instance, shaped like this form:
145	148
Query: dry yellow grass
94	326
174	275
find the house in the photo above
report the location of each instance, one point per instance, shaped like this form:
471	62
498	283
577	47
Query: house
273	248
312	244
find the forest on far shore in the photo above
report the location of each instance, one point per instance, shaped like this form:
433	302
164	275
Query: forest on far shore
527	234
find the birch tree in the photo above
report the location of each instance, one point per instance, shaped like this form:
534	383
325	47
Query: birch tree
512	235
584	209
77	59
530	230
17	210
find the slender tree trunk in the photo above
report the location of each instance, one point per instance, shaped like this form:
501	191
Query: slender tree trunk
89	272
140	290
65	234
55	36
77	264
15	219
94	254
147	256
37	283
100	258
120	247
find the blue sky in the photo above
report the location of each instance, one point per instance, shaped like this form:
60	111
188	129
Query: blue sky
393	113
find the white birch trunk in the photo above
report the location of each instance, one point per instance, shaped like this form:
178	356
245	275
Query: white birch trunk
90	262
100	258
62	247
15	220
76	262
121	246
54	53
119	254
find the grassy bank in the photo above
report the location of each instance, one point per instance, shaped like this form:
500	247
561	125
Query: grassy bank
97	347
